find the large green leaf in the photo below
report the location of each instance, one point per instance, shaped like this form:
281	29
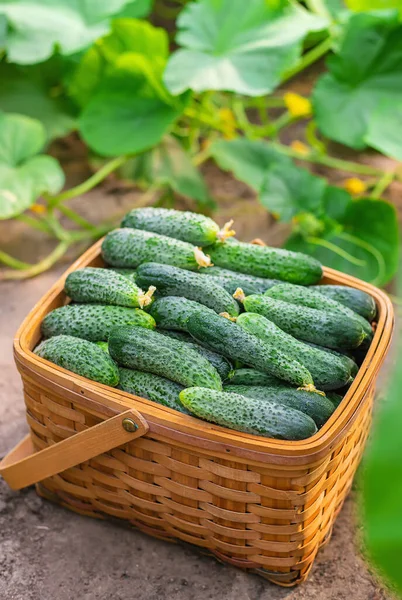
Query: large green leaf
365	78
239	46
137	9
384	128
368	233
37	27
24	175
248	160
366	5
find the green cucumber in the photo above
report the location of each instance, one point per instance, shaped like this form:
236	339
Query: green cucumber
263	261
105	286
328	371
315	406
337	331
152	387
249	415
173	312
172	281
221	364
244	376
345	358
92	321
336	399
150	351
81	357
230	280
296	294
196	229
131	247
129	273
235	343
357	300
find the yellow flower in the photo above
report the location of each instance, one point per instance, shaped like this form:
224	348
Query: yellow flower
226	115
228	122
39	209
354	186
297	105
300	147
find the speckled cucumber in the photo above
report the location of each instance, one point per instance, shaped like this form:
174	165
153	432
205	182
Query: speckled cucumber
181	225
221	364
81	357
152	387
150	351
128	273
105	286
129	248
335	398
263	261
173	312
172	281
92	321
249	415
244	376
296	294
315	406
235	343
230	280
328	371
347	360
337	331
357	300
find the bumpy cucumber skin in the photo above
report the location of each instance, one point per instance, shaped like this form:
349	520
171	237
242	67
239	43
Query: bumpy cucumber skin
196	229
259	417
173	312
171	281
314	405
221	364
235	343
245	376
263	261
131	247
325	328
328	371
357	300
81	357
302	296
150	351
346	360
152	387
129	273
102	286
92	321
230	280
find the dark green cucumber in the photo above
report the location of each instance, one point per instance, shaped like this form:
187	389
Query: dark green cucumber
150	351
230	280
336	399
357	300
152	387
131	247
105	286
263	261
172	281
196	229
296	294
221	364
173	312
259	417
245	376
81	357
129	273
314	405
321	327
345	358
92	321
235	343
328	371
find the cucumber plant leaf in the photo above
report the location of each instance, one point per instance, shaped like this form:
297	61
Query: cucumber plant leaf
384	128
24	173
238	46
350	101
366	5
249	160
137	9
37	27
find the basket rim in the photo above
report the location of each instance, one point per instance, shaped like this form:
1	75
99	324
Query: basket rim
190	430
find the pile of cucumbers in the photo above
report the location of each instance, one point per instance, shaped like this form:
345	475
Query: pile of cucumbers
189	317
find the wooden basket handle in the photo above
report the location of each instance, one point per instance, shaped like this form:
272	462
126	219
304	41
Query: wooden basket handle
23	466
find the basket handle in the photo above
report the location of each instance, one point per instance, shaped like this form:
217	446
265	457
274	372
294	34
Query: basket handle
23	466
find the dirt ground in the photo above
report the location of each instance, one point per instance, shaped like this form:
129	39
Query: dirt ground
48	553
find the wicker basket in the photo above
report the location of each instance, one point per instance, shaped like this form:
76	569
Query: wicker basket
261	504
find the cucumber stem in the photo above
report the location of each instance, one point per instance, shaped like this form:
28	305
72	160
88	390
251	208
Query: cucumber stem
146	299
310	387
202	260
226	231
239	295
228	316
